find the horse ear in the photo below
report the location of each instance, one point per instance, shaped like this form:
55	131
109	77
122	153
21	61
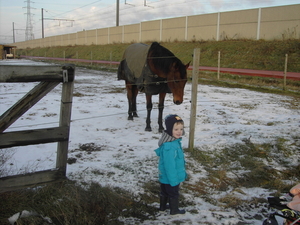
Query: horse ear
187	65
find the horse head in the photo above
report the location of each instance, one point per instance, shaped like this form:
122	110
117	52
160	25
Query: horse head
176	79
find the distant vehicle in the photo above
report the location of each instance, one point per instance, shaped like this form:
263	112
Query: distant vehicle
9	56
7	51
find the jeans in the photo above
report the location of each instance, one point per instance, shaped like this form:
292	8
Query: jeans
169	191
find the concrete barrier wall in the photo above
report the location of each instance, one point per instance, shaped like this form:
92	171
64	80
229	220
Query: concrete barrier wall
238	24
282	22
202	27
102	36
173	29
131	33
150	31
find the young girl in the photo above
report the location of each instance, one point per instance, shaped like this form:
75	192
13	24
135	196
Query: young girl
171	164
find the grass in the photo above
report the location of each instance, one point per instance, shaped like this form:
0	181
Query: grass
247	165
68	203
250	80
247	54
260	84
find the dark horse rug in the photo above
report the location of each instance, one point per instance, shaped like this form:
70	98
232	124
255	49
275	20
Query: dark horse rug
137	71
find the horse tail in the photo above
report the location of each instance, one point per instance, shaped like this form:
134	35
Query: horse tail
121	73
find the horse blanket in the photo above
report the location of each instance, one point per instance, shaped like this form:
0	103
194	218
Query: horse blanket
135	69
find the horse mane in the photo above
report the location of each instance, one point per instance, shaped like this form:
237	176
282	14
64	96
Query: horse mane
163	59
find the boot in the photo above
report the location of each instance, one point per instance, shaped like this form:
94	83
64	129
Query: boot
174	207
163	203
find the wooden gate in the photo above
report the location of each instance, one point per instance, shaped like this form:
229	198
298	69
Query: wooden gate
49	77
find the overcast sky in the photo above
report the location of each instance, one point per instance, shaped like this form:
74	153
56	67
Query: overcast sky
70	16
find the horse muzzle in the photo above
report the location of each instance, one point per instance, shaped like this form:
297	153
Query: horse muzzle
177	102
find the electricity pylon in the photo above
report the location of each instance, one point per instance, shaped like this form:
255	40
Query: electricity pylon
29	28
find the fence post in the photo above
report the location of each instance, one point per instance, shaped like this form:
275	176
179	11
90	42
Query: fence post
285	71
196	60
65	120
110	58
219	63
91	57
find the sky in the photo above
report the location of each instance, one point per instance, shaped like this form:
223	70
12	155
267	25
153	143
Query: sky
71	16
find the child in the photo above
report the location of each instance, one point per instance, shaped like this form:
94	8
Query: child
171	164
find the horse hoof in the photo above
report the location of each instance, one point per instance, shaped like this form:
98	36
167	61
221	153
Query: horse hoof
161	130
148	129
135	115
130	117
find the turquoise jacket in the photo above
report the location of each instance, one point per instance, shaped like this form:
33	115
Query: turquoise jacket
171	164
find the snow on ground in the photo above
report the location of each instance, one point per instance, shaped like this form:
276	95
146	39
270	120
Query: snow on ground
126	155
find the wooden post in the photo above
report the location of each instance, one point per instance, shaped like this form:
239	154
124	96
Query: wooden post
91	58
196	60
110	58
64	56
65	120
285	71
219	63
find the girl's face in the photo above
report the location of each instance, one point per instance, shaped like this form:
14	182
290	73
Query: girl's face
177	130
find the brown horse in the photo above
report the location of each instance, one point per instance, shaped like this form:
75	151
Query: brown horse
154	70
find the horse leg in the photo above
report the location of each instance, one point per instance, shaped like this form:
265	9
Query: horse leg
131	96
160	111
135	92
149	108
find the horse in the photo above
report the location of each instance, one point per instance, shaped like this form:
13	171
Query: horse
152	69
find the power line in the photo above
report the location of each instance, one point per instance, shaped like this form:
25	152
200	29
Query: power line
103	12
106	11
78	8
51	19
60	19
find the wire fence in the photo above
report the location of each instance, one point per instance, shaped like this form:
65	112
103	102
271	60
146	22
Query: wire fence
125	113
218	69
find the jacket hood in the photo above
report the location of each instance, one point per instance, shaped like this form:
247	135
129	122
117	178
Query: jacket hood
165	137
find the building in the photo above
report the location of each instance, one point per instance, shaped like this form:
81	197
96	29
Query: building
7	51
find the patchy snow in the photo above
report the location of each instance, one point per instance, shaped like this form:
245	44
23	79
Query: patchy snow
125	156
